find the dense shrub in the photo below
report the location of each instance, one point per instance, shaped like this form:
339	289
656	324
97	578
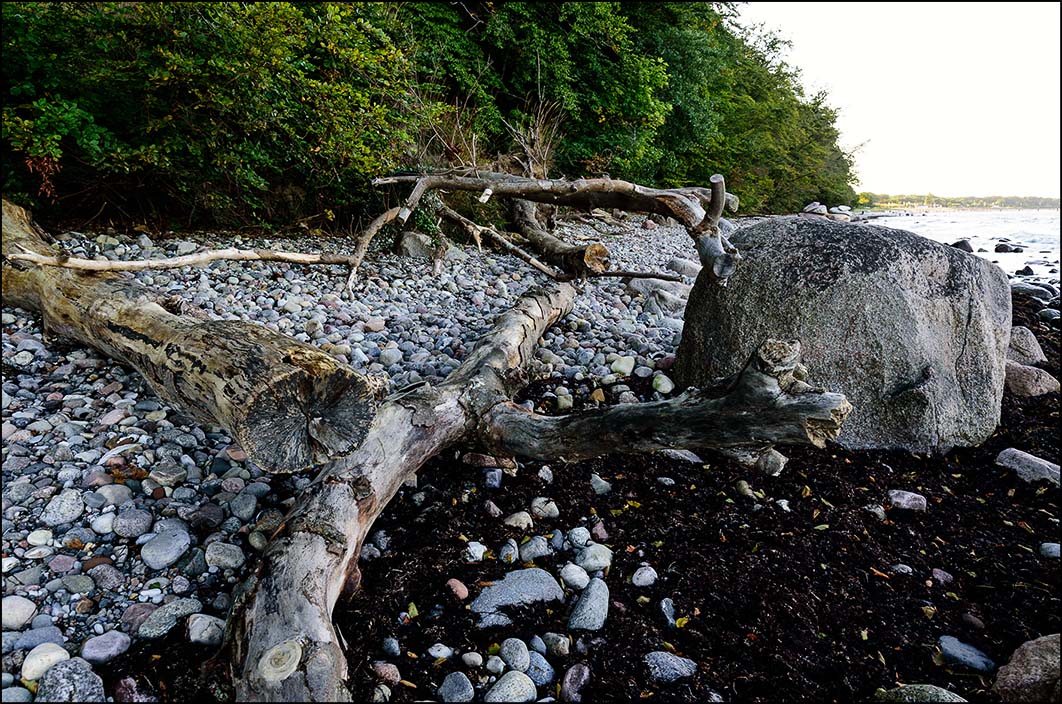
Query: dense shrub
235	112
243	113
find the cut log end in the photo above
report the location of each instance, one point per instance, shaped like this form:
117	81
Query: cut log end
306	417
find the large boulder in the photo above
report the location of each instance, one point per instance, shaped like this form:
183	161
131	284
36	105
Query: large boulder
915	333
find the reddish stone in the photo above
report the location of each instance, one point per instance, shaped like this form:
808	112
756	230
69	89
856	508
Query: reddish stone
458	588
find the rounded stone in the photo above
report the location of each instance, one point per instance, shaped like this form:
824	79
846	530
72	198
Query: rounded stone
132	523
105	648
512	687
644	576
165	549
41	658
456	687
18	611
224	556
926	327
515	654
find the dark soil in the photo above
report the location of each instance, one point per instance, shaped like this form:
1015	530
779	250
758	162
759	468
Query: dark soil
798	605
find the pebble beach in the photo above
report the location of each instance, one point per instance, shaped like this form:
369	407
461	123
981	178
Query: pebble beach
125	522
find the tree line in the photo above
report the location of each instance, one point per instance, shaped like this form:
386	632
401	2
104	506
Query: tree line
928	200
267	113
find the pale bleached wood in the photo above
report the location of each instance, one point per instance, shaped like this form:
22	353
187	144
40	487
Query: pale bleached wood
697	209
197	259
288	404
313	557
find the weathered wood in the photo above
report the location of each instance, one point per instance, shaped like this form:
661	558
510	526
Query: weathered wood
697	209
763	407
289	405
198	259
576	260
286	615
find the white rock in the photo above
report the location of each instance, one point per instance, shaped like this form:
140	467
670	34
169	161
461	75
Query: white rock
205	630
574	576
520	520
644	576
542	507
41	658
18	611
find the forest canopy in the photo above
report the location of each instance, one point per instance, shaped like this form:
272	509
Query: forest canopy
266	113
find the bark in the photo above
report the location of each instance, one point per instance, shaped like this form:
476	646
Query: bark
289	405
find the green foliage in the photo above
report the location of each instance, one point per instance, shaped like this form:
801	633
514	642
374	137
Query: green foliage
242	112
237	113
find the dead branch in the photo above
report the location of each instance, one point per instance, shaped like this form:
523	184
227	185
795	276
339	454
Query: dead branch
198	259
697	209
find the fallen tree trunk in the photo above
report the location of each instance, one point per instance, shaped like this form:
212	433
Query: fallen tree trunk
281	644
697	209
573	259
289	405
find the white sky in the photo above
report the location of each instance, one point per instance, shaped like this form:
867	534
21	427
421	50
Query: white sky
953	99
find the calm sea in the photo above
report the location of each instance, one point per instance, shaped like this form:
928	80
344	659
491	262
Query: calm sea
1036	231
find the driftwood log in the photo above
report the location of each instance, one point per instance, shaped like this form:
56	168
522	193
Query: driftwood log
296	407
697	209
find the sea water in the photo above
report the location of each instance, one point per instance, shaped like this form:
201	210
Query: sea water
1035	231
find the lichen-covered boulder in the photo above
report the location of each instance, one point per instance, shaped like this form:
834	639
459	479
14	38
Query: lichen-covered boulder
913	332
